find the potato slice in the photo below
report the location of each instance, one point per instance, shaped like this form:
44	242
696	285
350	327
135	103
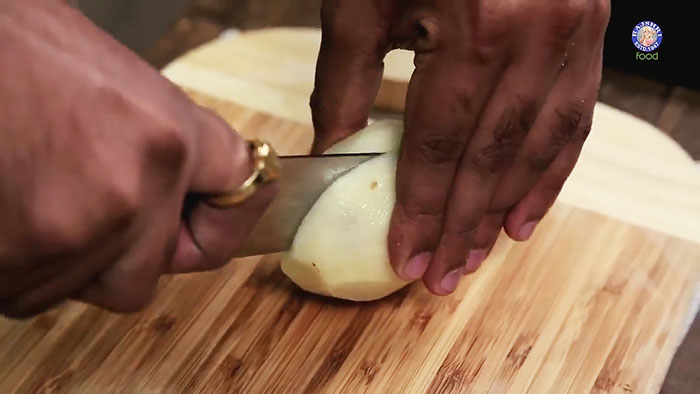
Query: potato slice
340	249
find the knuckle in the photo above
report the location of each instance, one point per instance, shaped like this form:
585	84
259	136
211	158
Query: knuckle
71	223
490	43
64	232
599	12
440	148
566	124
585	130
566	121
515	122
415	208
486	52
496	213
167	147
57	232
492	159
499	20
464	227
511	129
123	196
567	17
161	128
498	17
540	160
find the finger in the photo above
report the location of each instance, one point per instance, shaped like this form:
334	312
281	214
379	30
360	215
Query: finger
436	135
209	236
508	117
486	237
558	123
569	104
524	217
131	283
349	68
510	114
441	112
63	275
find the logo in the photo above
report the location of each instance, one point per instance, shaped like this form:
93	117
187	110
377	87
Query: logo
647	56
647	36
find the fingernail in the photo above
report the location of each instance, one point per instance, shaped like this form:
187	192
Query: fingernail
526	230
476	257
416	266
449	281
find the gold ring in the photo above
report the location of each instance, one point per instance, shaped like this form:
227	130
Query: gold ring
266	168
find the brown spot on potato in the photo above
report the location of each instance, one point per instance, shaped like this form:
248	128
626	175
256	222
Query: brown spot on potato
373	185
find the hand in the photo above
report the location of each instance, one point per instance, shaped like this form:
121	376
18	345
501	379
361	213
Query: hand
498	109
99	156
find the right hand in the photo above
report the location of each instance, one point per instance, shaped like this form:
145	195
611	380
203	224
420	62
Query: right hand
498	109
99	155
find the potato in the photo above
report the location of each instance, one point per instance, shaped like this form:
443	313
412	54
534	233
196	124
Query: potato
340	249
380	136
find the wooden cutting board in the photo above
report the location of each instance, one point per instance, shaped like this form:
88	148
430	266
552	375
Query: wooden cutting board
597	301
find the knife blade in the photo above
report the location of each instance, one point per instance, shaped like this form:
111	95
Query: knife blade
302	181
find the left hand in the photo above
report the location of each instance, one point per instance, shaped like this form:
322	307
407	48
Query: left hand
106	169
497	113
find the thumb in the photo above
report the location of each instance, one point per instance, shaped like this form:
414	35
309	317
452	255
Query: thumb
209	236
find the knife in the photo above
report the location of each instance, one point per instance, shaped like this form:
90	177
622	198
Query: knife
302	181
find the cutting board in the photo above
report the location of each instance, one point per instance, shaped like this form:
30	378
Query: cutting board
597	301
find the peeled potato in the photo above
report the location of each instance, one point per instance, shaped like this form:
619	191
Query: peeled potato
340	249
380	136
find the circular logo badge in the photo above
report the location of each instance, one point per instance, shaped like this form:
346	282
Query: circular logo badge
647	36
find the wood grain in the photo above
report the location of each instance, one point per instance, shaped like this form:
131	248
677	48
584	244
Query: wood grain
590	304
